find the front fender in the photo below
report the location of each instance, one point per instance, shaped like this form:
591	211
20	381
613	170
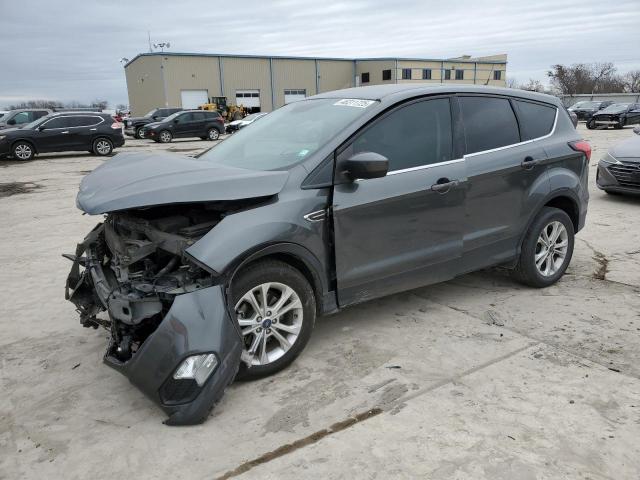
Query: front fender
241	235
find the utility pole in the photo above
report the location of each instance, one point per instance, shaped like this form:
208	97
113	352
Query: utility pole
149	38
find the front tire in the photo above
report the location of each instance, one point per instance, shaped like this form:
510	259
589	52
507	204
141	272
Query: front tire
165	136
102	147
547	249
139	133
275	307
591	124
23	151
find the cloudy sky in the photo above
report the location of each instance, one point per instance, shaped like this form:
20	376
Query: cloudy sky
71	49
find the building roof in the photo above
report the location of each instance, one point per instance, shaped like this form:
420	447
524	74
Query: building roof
285	57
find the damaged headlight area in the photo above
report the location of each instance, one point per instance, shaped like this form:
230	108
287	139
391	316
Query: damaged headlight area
133	267
171	333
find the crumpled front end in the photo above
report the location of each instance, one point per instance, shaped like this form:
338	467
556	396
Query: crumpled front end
171	332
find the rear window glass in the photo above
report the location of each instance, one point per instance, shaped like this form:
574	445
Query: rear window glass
535	120
59	122
488	123
83	121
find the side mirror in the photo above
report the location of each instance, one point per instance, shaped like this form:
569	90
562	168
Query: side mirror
42	127
175	121
366	165
11	122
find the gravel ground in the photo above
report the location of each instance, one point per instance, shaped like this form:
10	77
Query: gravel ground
478	377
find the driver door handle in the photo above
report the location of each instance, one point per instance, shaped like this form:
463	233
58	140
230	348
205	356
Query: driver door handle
444	185
66	131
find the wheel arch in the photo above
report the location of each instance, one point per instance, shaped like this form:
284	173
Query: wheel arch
26	140
298	257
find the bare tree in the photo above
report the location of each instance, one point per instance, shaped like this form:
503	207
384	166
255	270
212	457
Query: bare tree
36	104
533	86
632	81
101	104
512	83
585	78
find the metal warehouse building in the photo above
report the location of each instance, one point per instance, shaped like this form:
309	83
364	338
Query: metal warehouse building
264	83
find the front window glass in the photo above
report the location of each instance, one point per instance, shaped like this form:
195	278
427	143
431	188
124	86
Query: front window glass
287	136
151	113
22	118
171	118
412	136
36	123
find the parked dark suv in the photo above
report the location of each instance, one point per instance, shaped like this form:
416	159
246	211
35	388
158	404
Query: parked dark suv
98	133
19	118
189	123
133	125
216	267
586	108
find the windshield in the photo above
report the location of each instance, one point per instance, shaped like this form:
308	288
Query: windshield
586	105
35	123
172	117
151	113
615	108
288	135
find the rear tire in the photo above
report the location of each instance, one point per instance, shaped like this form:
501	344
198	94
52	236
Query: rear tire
102	147
286	333
591	124
165	136
23	151
546	249
213	134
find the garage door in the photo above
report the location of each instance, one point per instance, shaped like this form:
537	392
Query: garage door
249	99
294	95
194	98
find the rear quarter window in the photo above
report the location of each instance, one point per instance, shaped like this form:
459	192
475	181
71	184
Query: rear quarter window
536	120
489	123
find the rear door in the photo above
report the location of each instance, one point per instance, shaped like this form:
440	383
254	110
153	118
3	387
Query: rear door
634	114
83	129
405	229
506	173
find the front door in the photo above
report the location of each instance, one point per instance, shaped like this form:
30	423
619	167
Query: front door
54	135
403	230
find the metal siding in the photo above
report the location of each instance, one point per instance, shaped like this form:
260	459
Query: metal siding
191	73
293	74
375	68
485	72
144	85
416	71
247	74
335	75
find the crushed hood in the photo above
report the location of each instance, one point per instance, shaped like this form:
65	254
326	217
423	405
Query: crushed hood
629	148
145	179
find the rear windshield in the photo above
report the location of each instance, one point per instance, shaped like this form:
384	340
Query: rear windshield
288	135
616	108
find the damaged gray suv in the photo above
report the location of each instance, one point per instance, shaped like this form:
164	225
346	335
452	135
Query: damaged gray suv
214	268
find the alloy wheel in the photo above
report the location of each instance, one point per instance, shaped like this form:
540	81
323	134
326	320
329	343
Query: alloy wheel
103	147
23	151
213	134
551	248
165	137
270	316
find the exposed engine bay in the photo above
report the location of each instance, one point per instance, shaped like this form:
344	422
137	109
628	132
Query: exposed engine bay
133	265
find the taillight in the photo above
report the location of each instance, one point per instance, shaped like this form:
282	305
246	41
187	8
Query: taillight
116	125
582	146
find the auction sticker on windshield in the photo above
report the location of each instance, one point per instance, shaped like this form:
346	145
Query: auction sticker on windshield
352	102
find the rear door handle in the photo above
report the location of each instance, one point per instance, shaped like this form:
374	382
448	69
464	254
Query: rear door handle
529	162
64	132
444	185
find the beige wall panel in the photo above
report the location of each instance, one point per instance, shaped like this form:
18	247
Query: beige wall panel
335	75
191	73
247	74
144	85
293	74
375	68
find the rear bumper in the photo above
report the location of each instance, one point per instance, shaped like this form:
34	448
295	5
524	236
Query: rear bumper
130	131
197	322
